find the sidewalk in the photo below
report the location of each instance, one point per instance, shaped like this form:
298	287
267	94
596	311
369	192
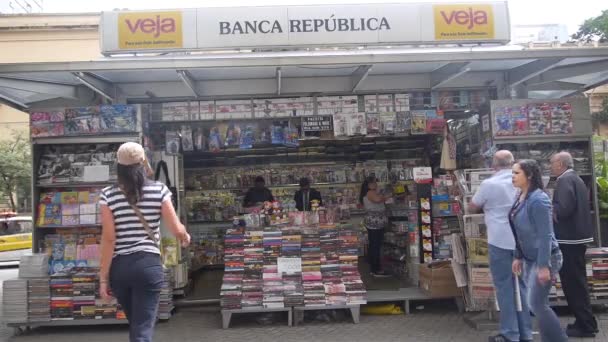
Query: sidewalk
434	323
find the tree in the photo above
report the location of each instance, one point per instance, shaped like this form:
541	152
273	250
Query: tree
600	117
15	167
593	29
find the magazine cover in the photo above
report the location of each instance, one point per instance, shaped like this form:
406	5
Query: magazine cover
503	124
340	125
187	142
172	142
373	123
418	122
215	139
388	122
561	118
539	119
248	136
233	135
357	124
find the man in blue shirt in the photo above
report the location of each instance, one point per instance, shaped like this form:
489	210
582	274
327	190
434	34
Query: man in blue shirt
495	197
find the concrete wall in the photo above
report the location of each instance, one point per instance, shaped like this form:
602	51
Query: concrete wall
49	38
11	120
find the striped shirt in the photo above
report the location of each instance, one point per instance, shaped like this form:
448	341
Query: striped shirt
131	235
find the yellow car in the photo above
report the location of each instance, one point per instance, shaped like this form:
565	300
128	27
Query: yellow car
15	233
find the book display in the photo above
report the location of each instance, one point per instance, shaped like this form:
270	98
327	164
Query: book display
74	158
93	120
288	266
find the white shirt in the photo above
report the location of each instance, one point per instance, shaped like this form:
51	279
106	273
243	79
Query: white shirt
496	196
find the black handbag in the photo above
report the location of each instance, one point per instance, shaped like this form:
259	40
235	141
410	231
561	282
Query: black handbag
162	167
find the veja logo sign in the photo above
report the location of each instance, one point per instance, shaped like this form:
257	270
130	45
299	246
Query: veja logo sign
463	22
150	30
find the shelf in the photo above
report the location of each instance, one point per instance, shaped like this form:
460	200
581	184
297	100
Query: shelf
70	227
76	185
443	216
323	185
99	139
393	244
72	322
537	139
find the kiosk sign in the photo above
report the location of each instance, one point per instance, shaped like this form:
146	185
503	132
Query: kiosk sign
464	22
150	30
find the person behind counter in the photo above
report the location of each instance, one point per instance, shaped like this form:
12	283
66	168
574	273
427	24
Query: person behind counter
258	194
375	222
306	195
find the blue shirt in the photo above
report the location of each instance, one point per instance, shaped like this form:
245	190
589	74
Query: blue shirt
496	196
533	223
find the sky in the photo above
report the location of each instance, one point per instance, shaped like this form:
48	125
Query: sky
523	12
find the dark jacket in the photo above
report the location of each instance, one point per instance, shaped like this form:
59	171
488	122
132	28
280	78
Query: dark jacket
313	195
572	214
533	227
257	195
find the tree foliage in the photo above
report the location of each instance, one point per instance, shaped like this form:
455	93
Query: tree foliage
593	29
15	167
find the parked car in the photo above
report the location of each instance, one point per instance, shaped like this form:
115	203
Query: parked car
15	237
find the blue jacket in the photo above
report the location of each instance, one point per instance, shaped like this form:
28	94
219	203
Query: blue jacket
533	225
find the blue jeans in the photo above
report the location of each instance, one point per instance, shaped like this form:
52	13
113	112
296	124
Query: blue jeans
136	280
514	325
538	300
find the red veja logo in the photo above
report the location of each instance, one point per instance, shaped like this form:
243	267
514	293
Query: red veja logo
155	26
468	18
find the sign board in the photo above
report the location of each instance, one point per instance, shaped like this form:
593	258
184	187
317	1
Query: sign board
294	26
289	265
423	174
317	123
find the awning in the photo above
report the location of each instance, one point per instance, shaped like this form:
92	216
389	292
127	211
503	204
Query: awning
535	73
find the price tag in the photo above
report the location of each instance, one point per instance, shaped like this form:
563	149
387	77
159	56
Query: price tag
289	265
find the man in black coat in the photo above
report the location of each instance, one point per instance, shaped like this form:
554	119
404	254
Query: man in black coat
306	195
573	230
258	194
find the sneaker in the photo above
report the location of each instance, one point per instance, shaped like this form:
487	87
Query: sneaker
574	326
575	332
498	338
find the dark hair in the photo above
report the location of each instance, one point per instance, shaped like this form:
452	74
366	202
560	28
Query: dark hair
304	182
132	179
365	187
260	179
531	170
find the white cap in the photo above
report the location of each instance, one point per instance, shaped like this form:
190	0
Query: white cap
130	153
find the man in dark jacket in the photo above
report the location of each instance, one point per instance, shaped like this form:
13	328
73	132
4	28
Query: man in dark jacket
306	195
258	194
573	229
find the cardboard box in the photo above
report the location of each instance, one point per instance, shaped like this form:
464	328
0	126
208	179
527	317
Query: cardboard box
438	280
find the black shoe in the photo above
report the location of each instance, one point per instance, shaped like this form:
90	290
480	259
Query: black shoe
498	338
576	332
574	326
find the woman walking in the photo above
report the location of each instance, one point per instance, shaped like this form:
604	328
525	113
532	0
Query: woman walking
375	222
536	246
130	242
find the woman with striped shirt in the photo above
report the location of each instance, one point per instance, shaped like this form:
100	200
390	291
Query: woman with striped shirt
130	248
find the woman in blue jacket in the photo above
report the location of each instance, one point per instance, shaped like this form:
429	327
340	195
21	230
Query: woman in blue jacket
537	249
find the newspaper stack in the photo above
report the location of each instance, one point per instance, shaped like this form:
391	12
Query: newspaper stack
39	300
15	300
165	307
34	266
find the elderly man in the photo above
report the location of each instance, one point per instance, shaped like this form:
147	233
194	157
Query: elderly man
573	230
495	197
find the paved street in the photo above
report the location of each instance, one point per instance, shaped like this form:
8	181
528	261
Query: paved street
434	323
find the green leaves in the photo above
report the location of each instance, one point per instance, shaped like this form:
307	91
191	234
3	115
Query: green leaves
15	166
593	29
